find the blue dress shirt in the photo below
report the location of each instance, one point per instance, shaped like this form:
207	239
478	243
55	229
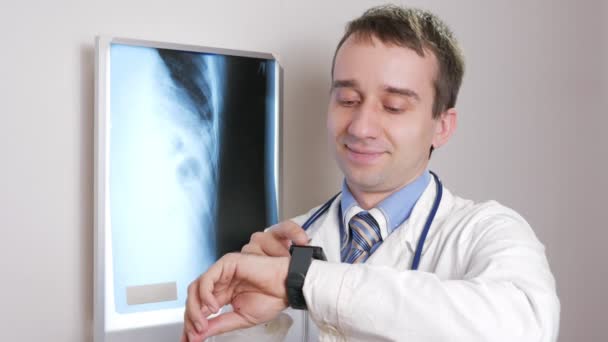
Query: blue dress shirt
390	213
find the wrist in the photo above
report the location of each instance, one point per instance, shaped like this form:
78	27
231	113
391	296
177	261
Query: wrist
283	270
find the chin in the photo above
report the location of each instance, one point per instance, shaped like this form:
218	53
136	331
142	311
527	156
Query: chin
364	180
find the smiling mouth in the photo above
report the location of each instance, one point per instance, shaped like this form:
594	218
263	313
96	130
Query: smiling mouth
362	156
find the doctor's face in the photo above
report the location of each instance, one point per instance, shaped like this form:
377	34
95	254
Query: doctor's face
380	116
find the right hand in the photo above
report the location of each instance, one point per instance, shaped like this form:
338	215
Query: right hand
276	240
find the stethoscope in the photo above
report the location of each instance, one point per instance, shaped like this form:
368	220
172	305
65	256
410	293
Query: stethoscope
325	207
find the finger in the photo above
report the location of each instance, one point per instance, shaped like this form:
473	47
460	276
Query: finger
205	311
188	327
193	318
190	337
289	230
266	244
275	248
270	244
252	248
193	337
226	322
194	327
190	334
221	272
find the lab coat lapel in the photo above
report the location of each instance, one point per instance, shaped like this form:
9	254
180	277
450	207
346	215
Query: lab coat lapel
400	246
420	213
325	232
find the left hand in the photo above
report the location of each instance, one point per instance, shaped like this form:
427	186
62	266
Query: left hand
254	286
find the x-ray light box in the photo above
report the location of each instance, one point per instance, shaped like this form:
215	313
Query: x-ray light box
187	166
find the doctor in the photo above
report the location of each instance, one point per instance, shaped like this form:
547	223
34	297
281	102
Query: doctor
407	260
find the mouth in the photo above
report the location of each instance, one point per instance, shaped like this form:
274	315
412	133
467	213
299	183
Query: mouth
361	155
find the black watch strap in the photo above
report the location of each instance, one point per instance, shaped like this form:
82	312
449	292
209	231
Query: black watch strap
301	258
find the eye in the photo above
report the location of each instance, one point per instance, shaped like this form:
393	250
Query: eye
347	97
394	104
394	110
348	103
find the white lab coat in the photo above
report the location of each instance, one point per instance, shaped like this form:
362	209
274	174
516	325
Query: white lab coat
483	276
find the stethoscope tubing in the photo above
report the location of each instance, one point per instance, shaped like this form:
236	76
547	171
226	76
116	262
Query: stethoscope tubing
427	226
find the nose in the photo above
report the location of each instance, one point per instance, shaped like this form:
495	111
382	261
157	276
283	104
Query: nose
365	122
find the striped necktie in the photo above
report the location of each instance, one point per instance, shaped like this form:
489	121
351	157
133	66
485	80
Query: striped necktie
364	235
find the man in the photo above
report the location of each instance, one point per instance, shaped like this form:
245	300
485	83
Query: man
407	260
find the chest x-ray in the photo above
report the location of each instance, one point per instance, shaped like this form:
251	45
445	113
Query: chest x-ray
187	169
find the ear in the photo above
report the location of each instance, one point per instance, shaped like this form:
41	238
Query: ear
445	125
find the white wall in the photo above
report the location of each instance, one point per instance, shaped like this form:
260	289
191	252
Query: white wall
532	118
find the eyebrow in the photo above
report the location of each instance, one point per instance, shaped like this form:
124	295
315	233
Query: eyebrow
389	89
402	91
344	84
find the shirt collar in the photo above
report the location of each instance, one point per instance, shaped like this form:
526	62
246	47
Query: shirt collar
396	208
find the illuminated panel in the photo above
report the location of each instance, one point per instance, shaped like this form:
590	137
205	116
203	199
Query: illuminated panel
191	159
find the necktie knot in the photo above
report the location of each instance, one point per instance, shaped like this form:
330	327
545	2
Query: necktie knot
365	234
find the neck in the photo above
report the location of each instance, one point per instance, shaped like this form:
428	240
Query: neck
368	199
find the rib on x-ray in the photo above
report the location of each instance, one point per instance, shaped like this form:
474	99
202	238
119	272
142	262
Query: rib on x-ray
191	165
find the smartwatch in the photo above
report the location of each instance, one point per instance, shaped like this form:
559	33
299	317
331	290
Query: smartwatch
301	258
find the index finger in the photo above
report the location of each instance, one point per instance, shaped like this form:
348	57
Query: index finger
193	308
289	230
